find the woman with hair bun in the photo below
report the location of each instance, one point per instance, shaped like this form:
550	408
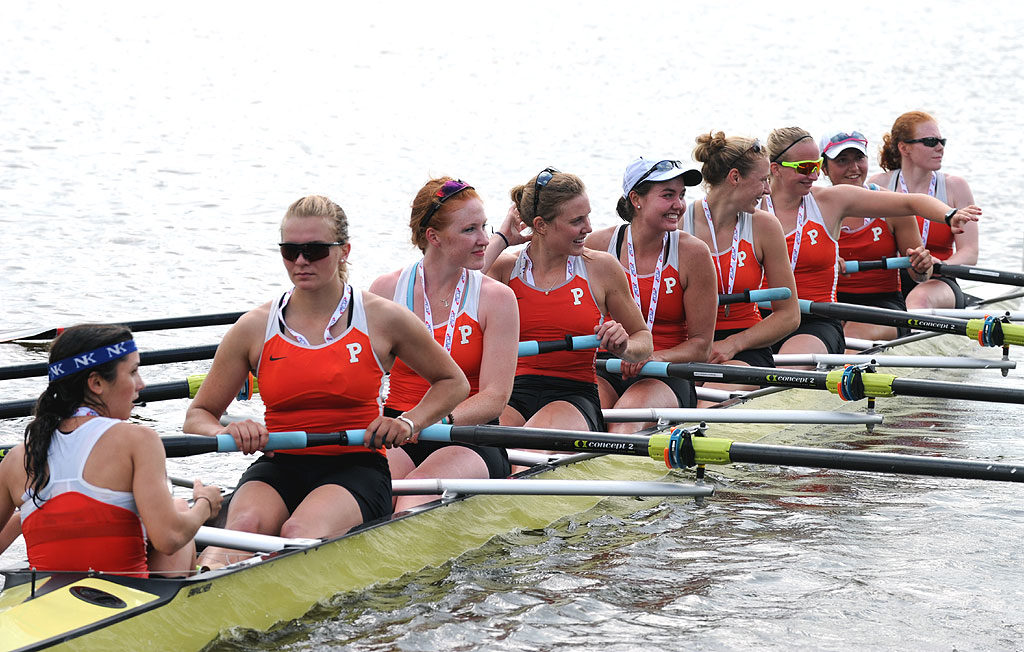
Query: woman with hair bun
747	247
671	278
811	218
472	316
911	155
92	488
563	289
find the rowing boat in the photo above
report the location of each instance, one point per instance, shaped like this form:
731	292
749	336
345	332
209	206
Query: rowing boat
102	612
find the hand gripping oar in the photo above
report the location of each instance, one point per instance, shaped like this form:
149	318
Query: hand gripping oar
851	383
165	356
165	323
159	392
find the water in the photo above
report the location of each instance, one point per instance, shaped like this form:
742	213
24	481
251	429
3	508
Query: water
148	153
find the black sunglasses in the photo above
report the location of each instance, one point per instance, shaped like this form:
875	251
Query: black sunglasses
542	180
311	251
929	141
660	166
448	190
754	147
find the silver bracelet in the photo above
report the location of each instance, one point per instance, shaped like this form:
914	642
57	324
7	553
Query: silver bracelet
407	420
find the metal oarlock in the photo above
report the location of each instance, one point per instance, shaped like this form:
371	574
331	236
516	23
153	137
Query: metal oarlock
1006	347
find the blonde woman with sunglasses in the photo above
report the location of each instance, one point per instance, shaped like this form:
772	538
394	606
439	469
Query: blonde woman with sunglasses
911	155
811	218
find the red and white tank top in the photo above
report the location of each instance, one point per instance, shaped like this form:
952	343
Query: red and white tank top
568	308
324	388
467	343
873	240
813	253
79	526
937	237
748	271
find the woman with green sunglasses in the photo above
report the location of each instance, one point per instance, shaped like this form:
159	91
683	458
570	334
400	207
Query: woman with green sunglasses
911	156
811	218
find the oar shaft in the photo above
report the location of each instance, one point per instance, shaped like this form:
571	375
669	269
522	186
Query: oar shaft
696	415
980	274
145	358
884	316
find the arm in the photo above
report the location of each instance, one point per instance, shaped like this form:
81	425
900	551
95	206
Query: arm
499	319
699	282
908	241
852	200
12	477
511	228
236	355
167	528
960	196
396	332
625	335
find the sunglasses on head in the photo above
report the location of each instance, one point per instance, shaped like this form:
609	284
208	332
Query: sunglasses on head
542	180
929	141
660	166
804	167
754	147
311	251
447	190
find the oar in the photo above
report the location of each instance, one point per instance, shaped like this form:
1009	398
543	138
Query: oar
850	383
987	332
953	271
165	356
167	323
753	296
160	392
919	361
568	343
697	415
969	313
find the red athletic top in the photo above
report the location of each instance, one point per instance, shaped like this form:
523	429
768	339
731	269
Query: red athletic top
872	241
816	270
669	327
324	388
749	273
407	387
940	238
545	315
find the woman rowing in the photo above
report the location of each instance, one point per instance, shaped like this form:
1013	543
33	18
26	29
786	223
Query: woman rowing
747	247
677	299
811	217
911	155
845	161
478	326
92	488
563	289
320	351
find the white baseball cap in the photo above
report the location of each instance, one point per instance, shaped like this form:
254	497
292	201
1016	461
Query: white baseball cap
652	169
833	144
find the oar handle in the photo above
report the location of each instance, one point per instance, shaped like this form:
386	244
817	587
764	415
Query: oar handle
854	266
754	296
569	343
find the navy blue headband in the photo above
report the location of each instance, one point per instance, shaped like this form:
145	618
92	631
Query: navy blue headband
76	363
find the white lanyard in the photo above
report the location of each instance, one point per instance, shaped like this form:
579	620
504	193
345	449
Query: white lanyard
733	252
83	411
656	289
460	292
527	271
801	220
328	338
931	193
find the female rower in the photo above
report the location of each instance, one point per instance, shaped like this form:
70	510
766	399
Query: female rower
320	351
677	299
478	326
861	238
911	155
563	289
736	177
92	488
811	217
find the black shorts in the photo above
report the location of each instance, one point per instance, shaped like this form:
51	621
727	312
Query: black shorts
887	300
826	329
365	475
531	392
908	284
495	458
761	357
686	396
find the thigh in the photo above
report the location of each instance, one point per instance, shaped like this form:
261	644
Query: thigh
256	507
329	510
933	293
560	415
648	393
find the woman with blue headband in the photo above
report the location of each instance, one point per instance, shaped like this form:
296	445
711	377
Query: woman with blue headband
82	463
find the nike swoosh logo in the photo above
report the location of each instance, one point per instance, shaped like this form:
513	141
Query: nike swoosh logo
272	358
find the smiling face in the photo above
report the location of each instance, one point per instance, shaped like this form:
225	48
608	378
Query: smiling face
565	233
463	240
849	168
919	154
791	179
118	395
662	206
754	185
311	275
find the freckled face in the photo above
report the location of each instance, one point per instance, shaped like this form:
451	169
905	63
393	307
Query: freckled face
464	240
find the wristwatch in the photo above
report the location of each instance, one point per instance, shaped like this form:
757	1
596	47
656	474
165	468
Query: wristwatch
949	216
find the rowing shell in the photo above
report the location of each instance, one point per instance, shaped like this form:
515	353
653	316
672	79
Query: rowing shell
102	612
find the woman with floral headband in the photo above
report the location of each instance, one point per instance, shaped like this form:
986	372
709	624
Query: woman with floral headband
811	218
563	289
472	316
92	488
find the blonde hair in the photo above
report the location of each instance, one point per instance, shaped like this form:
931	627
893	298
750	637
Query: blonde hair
780	140
331	213
561	188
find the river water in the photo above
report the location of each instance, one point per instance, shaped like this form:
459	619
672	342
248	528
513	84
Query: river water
147	153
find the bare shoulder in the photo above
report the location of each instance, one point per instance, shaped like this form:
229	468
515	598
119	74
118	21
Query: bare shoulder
691	245
133	435
502	267
765	222
378	307
601	261
958	189
385	284
881	178
496	291
254	321
600	239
